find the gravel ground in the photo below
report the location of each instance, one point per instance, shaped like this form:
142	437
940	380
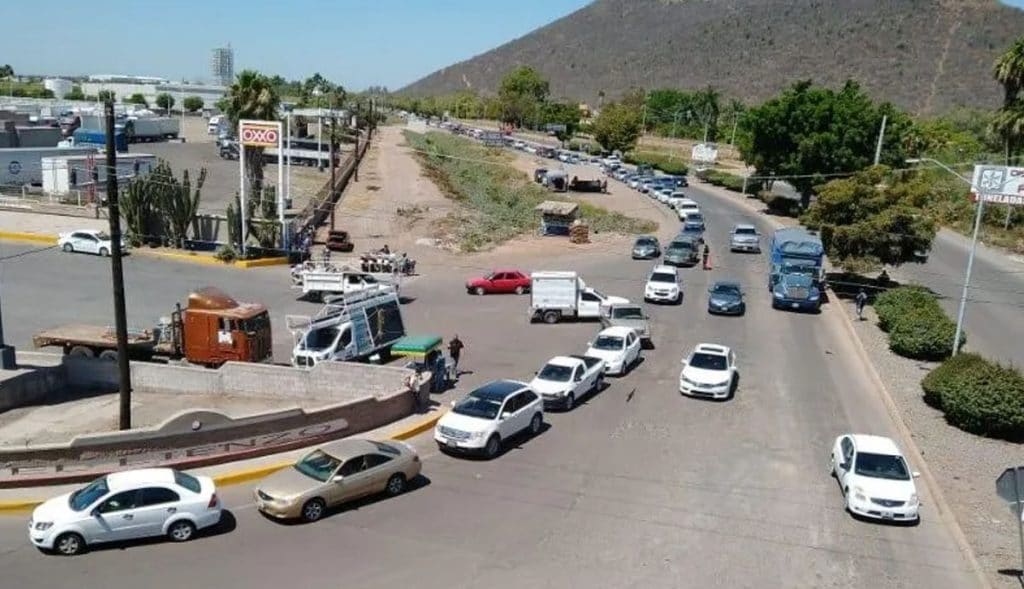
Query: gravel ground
966	465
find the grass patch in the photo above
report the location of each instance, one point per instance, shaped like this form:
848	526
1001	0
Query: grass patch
499	199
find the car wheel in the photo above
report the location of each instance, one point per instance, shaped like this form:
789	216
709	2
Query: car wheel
313	510
535	424
69	544
493	446
520	290
479	291
551	317
181	531
396	484
68	248
570	402
109	355
104	252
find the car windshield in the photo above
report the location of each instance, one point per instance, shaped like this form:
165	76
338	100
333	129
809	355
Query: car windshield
645	241
102	236
690	227
555	372
663	277
708	361
608	342
476	407
882	466
745	231
680	245
627	313
318	465
726	289
320	339
84	497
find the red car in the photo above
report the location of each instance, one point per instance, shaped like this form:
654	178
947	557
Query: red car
499	281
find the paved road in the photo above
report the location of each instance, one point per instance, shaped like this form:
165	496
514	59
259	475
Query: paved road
637	487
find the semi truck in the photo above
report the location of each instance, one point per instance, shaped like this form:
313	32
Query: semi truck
558	295
148	129
98	138
796	275
349	328
213	329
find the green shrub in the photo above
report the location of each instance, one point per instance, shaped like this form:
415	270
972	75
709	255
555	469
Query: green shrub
226	254
897	302
923	333
665	163
978	396
780	205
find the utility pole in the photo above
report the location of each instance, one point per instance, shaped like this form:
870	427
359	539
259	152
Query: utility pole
117	273
735	123
8	360
706	122
643	123
881	138
331	156
355	123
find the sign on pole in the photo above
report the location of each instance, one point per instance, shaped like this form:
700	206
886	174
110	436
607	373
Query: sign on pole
261	134
705	153
998	184
1008	487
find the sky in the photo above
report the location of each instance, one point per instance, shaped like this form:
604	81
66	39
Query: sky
356	43
353	42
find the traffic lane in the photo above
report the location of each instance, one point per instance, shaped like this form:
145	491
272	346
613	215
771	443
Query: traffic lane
993	320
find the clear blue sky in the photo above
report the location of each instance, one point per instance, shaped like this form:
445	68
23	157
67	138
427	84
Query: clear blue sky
354	42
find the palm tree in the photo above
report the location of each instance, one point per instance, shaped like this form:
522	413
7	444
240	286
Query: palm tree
1008	70
252	96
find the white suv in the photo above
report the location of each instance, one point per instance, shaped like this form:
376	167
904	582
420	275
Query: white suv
663	286
125	506
488	416
709	371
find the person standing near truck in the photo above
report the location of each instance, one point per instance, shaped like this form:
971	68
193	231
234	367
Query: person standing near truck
455	351
705	256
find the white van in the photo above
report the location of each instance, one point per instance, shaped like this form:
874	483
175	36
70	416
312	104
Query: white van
213	126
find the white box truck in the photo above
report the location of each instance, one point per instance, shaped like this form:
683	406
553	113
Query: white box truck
64	174
558	295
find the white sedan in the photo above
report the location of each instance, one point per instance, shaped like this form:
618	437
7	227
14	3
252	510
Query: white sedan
619	347
89	241
874	478
709	371
126	506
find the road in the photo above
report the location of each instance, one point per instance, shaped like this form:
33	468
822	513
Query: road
637	487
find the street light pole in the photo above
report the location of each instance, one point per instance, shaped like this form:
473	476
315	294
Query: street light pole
974	248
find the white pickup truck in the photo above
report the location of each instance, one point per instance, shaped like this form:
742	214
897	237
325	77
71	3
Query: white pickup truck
319	283
558	295
566	379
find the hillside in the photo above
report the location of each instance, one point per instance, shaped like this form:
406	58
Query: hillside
926	56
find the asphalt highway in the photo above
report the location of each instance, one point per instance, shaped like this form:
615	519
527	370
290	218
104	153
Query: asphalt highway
636	487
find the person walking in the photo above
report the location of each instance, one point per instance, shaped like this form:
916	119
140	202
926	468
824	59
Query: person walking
706	256
455	351
862	299
415	386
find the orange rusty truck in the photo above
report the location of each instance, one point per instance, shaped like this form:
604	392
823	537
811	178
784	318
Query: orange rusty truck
212	330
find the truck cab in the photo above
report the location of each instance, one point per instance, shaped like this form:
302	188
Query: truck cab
796	291
216	329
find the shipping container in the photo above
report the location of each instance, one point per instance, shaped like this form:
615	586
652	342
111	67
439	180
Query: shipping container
24	165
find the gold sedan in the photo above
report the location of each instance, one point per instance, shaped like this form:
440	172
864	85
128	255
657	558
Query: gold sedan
336	473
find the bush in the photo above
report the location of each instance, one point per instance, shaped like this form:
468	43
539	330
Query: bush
978	396
730	181
780	205
897	302
666	164
924	333
226	254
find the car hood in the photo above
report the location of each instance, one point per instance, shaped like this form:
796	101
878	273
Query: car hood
704	376
719	299
609	356
476	282
662	285
55	509
464	423
542	386
287	482
615	301
678	253
884	488
744	238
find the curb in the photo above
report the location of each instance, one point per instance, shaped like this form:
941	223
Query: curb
243	475
28	237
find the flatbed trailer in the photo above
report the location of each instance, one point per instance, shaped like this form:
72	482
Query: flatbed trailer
95	341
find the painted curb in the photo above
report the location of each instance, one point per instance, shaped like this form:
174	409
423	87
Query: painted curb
243	475
28	237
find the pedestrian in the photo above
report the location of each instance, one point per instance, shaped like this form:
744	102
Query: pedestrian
706	256
415	386
862	299
455	351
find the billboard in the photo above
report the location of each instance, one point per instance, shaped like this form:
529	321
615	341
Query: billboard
259	133
706	153
998	184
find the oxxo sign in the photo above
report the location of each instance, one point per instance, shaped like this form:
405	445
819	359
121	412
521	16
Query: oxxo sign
260	134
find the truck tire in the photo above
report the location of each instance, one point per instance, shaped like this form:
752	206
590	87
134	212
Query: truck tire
109	355
552	317
81	352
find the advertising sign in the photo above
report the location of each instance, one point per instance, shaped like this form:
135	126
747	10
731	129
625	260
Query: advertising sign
260	133
705	153
998	184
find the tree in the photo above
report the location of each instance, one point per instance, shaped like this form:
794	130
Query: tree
105	96
562	113
252	97
617	127
138	98
192	103
522	92
6	71
808	132
165	101
873	218
75	94
1008	70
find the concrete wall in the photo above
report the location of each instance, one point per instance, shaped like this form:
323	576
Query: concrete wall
31	386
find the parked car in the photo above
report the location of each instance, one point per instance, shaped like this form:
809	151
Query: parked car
126	505
646	247
336	473
663	286
488	416
726	298
694	223
566	379
744	238
874	477
499	282
631	316
88	241
709	371
619	347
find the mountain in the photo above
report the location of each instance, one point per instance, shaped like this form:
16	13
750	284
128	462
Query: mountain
925	56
